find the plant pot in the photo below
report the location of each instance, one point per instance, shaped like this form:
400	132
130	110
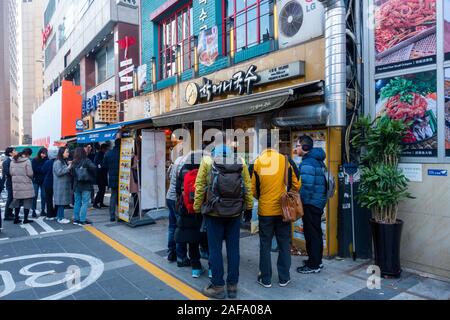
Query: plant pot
386	240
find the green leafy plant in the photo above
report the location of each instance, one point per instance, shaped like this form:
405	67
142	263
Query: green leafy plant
383	186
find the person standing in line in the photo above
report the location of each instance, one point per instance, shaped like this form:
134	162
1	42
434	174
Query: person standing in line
223	191
9	153
38	163
83	172
90	153
314	198
102	177
22	179
47	169
177	251
62	183
268	183
111	163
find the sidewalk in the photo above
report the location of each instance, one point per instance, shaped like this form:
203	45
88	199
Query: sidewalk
340	279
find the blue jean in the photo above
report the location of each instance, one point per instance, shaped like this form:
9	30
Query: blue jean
60	212
36	193
82	200
179	248
219	229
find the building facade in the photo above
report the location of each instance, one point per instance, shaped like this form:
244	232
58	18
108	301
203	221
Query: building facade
85	42
32	63
9	74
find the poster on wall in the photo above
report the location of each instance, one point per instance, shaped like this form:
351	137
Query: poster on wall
126	154
412	99
405	34
447	112
447	29
320	141
208	46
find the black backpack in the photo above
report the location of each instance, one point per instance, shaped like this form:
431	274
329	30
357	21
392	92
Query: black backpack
225	195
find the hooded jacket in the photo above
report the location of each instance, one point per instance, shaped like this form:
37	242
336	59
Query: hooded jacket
111	162
38	170
22	178
314	186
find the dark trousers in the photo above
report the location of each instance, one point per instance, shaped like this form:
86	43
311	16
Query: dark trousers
8	210
194	255
136	204
268	227
26	212
312	226
51	212
179	248
100	194
219	229
113	202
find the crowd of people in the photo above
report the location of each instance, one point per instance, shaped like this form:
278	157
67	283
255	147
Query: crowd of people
211	194
61	180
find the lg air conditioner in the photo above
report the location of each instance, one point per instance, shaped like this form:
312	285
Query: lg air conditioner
299	21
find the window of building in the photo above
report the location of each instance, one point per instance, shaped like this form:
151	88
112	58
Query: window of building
104	61
176	31
251	20
50	51
49	11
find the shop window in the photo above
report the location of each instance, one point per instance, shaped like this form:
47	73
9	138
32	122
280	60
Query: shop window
251	21
104	60
50	51
176	33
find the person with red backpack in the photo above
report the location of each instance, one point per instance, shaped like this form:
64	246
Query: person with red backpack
189	223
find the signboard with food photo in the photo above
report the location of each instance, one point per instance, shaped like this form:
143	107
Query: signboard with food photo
208	46
447	29
412	99
405	34
447	112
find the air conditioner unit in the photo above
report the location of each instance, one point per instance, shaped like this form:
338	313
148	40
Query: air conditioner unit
299	21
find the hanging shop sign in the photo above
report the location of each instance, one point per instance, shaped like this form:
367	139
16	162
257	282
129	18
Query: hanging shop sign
412	99
208	46
142	77
46	34
405	34
126	63
79	125
203	15
447	29
126	154
92	104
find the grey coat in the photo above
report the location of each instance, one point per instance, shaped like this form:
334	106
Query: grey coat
62	183
22	178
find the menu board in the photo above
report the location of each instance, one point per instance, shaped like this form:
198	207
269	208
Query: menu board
447	29
320	141
405	34
447	112
126	154
412	99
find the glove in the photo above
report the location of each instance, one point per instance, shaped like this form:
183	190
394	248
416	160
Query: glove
248	215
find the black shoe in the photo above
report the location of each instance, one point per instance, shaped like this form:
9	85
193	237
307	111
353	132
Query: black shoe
26	221
88	222
112	219
305	262
172	257
104	206
43	214
34	215
96	206
307	270
184	263
17	221
265	285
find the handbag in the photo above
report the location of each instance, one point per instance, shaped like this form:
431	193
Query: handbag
82	174
291	202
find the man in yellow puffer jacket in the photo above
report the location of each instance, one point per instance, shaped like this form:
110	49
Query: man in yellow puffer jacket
221	228
268	182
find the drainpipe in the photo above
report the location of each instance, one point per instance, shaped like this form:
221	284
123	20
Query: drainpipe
335	62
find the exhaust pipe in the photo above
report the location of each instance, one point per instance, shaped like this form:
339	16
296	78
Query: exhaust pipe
335	62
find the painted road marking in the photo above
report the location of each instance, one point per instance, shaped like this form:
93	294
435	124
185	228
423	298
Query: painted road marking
32	231
40	221
165	277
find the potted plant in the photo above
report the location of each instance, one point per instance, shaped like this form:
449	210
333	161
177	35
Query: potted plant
383	186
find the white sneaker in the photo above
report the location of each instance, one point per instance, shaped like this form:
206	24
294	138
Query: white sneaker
64	221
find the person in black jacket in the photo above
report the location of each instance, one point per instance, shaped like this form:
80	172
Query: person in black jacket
111	163
38	179
102	177
9	153
48	188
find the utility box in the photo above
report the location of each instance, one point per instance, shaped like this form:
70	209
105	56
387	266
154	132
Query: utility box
362	216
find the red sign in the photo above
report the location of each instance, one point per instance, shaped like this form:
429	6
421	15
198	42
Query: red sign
125	43
46	34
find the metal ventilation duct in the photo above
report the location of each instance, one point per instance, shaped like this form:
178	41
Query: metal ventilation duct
302	116
335	62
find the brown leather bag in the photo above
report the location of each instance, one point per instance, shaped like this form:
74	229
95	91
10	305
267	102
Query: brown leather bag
291	202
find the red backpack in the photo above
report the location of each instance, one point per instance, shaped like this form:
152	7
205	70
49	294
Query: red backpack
189	190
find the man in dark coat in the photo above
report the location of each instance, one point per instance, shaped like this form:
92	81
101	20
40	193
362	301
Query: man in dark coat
102	177
9	153
111	163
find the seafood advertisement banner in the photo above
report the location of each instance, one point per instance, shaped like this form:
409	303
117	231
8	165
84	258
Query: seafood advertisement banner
447	29
405	34
412	99
208	46
447	112
126	153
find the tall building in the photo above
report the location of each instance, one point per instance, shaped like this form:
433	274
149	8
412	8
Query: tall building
32	63
9	74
